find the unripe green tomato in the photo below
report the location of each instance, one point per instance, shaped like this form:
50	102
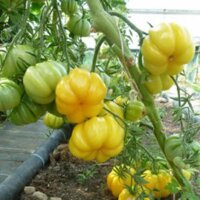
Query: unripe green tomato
134	110
10	94
79	26
69	7
26	112
18	60
53	121
40	81
173	147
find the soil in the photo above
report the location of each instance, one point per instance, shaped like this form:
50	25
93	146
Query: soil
73	179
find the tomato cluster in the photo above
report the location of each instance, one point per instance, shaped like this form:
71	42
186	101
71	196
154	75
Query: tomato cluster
29	90
77	25
165	50
121	183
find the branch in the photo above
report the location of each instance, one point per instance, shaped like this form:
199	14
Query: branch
97	48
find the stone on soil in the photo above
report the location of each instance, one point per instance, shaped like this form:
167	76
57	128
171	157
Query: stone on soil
29	189
40	195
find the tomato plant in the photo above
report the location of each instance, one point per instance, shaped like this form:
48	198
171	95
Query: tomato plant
50	68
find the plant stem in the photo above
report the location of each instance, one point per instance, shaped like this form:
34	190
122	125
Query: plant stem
64	38
105	23
132	26
97	48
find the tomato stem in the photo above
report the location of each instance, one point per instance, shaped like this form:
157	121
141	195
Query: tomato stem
64	38
97	48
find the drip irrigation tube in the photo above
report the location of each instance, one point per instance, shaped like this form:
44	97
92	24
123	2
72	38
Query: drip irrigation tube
13	185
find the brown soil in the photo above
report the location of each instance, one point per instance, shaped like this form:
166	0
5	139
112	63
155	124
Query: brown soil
72	179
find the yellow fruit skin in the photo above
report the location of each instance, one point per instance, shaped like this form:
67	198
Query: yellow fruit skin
156	84
112	108
80	95
187	174
116	184
125	195
157	183
166	49
98	138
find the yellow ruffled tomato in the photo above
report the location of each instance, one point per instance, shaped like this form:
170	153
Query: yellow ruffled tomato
80	95
156	84
167	48
157	183
116	184
112	108
125	195
121	100
53	121
98	138
187	173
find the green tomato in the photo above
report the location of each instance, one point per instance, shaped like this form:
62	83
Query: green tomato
69	7
53	121
10	94
173	147
40	81
26	112
79	26
18	60
134	111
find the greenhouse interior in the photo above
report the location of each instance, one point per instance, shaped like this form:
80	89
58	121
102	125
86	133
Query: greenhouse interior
99	99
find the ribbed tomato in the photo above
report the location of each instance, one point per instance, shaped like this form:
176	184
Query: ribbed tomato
80	95
18	60
10	94
79	26
98	138
40	80
26	112
53	121
69	7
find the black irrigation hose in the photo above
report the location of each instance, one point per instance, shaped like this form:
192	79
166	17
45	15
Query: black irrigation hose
14	184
